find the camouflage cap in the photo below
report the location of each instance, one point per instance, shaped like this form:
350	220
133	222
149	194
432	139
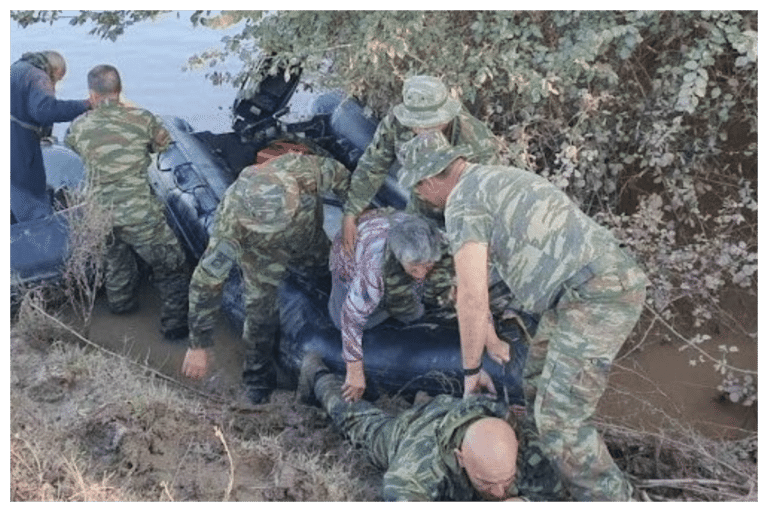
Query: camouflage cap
426	103
262	202
426	155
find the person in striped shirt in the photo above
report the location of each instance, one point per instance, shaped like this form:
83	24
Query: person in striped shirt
385	276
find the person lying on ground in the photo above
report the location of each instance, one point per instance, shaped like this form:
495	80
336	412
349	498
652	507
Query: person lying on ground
447	449
558	263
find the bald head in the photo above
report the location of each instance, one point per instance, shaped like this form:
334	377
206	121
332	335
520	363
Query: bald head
488	454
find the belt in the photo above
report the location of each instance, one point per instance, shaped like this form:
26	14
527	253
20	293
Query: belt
584	274
37	129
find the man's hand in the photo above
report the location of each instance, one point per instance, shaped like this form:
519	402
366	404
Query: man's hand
479	384
162	138
195	363
498	350
471	263
349	234
160	141
354	385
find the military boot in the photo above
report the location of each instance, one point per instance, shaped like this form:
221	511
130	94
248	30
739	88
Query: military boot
175	334
312	366
259	378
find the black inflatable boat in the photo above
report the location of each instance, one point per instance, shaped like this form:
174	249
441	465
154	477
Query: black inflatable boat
39	247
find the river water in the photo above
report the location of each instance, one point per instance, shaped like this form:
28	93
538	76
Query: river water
150	56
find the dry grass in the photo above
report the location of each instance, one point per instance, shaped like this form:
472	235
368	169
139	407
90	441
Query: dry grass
90	224
66	398
33	468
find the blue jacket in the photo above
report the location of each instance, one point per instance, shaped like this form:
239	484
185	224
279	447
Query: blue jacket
33	103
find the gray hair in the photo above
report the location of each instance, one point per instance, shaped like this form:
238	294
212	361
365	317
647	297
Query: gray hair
56	61
413	239
104	79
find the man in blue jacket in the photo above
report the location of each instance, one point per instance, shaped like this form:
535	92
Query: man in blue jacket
34	109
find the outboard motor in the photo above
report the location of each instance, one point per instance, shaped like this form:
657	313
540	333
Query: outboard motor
256	115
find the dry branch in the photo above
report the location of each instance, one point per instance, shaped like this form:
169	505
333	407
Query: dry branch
220	435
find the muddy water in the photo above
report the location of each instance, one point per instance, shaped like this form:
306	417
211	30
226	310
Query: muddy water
137	335
656	387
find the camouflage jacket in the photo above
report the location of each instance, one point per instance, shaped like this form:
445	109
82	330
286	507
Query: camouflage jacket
274	210
538	239
424	467
114	141
381	153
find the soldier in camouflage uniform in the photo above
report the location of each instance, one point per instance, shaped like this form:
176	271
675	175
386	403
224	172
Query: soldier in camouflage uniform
270	217
447	449
558	263
115	141
426	105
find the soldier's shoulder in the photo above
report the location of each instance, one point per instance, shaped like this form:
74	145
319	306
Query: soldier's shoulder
134	111
389	123
82	122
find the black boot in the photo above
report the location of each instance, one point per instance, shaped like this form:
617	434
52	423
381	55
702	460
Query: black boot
312	367
259	379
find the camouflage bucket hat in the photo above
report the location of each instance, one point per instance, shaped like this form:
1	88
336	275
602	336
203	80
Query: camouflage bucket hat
426	155
426	103
264	203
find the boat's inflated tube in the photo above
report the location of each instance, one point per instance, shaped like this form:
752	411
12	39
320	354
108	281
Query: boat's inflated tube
39	247
399	358
191	180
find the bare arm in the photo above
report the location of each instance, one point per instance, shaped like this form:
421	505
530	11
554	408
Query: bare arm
472	301
349	233
473	312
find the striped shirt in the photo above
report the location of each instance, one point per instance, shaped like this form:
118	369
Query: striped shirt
364	278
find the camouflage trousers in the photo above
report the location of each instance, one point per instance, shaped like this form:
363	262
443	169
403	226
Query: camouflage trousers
567	369
363	423
263	271
157	245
